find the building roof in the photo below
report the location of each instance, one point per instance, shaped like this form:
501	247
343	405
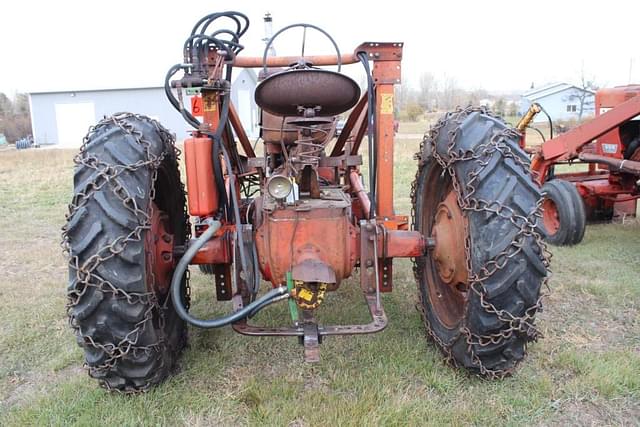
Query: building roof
96	89
245	71
550	89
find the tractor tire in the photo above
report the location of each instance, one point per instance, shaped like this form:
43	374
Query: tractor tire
563	213
128	200
479	285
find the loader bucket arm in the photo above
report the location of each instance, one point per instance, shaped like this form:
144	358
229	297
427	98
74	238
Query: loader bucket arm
568	145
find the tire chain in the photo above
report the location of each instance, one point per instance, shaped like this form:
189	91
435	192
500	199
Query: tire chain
85	272
526	225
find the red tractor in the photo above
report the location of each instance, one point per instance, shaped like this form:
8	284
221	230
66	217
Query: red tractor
298	215
610	145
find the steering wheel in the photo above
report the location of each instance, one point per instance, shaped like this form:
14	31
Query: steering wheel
304	37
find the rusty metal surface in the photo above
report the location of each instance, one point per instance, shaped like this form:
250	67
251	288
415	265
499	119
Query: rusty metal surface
328	92
384	149
450	232
358	190
619	165
311	342
286	61
368	259
236	124
402	244
216	250
382	51
278	130
159	248
550	216
313	270
378	323
312	229
222	277
350	124
386	59
358	132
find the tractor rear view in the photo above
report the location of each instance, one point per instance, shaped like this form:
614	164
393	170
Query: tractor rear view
300	216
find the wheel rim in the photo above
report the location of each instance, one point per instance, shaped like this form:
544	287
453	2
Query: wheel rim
446	268
159	252
550	216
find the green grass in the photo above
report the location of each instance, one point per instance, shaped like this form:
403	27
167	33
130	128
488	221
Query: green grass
585	371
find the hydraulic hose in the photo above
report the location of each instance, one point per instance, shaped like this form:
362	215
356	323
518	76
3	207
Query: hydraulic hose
176	289
371	123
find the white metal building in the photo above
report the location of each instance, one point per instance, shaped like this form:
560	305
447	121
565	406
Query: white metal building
560	100
64	117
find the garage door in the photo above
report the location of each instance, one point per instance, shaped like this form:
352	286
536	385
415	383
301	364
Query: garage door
73	121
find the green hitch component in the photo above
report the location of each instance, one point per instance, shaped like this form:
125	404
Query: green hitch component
293	308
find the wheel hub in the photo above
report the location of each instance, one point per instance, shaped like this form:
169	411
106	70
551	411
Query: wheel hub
449	253
159	252
550	216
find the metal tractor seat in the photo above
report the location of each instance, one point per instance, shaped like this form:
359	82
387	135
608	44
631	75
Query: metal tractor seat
291	92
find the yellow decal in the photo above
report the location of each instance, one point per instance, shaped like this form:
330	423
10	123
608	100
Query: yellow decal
305	294
386	103
210	104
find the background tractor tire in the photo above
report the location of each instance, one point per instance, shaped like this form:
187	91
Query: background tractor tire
472	160
564	217
126	174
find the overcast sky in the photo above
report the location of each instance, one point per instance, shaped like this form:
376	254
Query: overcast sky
494	45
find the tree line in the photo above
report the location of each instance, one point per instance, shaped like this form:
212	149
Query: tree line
15	118
432	94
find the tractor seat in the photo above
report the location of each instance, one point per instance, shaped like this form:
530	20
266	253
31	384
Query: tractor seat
330	93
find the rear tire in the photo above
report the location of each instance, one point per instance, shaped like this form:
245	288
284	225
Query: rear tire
564	217
484	324
118	299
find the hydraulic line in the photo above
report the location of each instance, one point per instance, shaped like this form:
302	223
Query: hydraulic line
176	289
189	118
549	120
236	213
371	121
538	131
195	52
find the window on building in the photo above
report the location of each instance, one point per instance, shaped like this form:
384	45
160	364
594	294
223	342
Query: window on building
572	108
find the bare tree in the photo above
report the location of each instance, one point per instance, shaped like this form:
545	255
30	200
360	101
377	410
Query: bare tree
475	96
15	120
451	95
584	95
21	103
499	106
428	88
6	106
404	95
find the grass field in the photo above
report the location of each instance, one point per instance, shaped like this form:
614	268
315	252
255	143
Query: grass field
585	371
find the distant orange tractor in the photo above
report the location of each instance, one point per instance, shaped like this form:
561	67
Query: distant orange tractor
610	144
